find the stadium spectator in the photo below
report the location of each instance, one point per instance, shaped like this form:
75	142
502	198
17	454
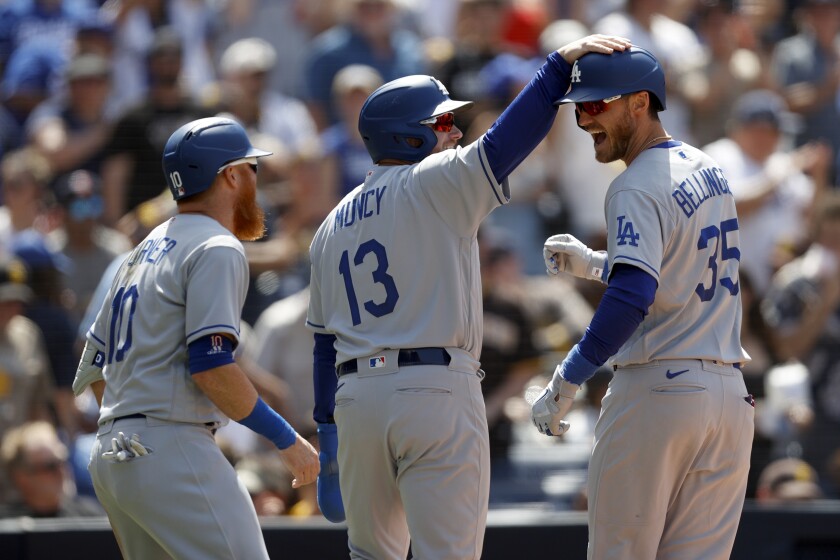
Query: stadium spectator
502	79
25	175
71	130
478	39
137	26
367	37
50	23
246	67
807	68
36	462
509	356
33	74
26	378
788	480
47	269
26	384
774	188
279	265
729	69
80	236
803	307
131	171
346	158
288	25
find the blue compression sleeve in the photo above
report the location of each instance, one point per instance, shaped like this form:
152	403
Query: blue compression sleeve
324	378
266	422
527	120
210	352
622	309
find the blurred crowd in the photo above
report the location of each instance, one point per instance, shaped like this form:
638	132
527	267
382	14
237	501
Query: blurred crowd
91	90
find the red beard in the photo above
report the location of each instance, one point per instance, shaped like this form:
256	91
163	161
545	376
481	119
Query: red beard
248	217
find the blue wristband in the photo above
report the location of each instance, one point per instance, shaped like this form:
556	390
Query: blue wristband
266	422
576	368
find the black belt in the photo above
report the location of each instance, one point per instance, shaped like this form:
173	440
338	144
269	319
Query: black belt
130	416
410	357
140	415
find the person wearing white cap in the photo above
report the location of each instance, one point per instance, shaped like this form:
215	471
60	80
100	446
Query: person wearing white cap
246	67
347	159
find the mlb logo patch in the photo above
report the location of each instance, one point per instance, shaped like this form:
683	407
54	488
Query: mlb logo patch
377	362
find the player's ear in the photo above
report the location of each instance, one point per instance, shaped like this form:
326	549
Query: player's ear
231	176
639	101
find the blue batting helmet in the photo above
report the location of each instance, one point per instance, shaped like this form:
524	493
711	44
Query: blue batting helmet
392	115
196	152
598	76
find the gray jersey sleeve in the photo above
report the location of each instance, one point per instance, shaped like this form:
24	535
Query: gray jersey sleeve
220	269
456	183
315	314
638	230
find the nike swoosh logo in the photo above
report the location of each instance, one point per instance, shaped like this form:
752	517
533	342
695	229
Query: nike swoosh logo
670	375
342	385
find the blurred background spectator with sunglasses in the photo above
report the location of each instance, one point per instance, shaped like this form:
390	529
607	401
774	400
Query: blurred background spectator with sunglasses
35	461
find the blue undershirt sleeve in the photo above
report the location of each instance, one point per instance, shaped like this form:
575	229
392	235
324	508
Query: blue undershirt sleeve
324	377
527	120
622	309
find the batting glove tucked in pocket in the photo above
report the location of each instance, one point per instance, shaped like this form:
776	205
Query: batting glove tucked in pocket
125	449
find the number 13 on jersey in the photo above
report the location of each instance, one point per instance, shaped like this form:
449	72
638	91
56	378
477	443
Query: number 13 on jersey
379	276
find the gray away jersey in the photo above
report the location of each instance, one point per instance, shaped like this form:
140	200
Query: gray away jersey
395	264
671	213
186	280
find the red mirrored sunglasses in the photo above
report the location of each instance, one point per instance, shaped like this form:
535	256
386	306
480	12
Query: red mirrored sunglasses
441	123
593	108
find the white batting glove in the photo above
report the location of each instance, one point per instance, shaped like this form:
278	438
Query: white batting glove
548	411
564	253
125	449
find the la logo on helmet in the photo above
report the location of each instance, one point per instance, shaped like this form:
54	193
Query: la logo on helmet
575	73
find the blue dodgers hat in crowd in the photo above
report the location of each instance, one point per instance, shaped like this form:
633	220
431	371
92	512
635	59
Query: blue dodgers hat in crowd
765	106
30	246
80	193
505	75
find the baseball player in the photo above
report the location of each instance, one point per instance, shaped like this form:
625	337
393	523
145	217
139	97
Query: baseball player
159	358
395	306
669	466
